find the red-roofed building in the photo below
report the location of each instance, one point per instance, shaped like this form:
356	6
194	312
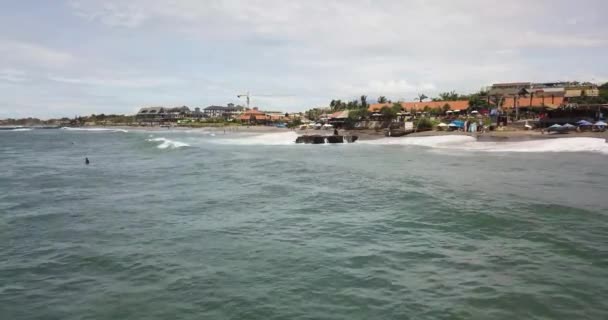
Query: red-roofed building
525	101
419	106
253	116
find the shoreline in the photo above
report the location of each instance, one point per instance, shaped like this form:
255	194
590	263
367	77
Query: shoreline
371	134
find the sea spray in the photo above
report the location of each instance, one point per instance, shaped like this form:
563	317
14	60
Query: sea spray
468	143
277	138
95	129
168	143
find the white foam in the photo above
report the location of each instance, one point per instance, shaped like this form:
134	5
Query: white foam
95	129
22	129
168	143
271	139
467	143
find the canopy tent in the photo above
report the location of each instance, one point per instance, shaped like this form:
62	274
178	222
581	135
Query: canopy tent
568	126
555	126
449	111
457	124
339	115
474	112
600	124
584	123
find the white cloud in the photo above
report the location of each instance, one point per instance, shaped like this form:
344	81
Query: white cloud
118	82
137	52
20	52
12	75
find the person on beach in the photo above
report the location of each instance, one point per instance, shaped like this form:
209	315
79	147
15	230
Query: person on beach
335	131
86	161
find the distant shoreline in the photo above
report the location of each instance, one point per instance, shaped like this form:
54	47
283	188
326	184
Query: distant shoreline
363	134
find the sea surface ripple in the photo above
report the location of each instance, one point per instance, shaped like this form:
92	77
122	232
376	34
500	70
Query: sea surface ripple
178	225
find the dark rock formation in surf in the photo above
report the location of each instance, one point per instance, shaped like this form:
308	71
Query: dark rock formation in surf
319	139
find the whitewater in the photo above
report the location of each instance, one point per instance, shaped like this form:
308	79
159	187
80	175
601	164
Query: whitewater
447	142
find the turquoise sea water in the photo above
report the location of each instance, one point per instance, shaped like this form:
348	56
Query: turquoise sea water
190	225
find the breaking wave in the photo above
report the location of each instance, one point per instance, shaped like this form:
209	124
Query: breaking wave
95	129
168	143
467	143
21	129
270	139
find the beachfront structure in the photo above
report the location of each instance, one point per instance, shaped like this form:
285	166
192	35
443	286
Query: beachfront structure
415	106
254	116
545	89
162	114
150	114
221	111
509	89
174	114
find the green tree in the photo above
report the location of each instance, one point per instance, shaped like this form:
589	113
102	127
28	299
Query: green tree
445	107
497	100
358	114
382	99
421	97
388	112
477	102
449	96
353	105
364	104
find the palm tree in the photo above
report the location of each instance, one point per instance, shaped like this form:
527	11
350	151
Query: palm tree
421	97
522	93
382	99
363	102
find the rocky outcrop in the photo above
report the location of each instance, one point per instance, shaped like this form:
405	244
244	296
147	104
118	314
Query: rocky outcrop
319	139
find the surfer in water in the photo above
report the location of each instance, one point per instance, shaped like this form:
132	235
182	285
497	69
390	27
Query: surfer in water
86	161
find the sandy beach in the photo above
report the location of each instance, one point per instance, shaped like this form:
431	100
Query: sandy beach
372	134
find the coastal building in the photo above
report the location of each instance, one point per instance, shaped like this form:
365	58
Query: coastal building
150	114
197	113
254	116
177	113
162	114
533	100
222	112
509	89
546	89
420	106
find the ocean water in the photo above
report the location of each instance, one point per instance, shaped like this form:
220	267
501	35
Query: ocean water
202	225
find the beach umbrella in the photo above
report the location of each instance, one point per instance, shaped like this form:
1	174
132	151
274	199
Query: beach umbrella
443	125
474	112
568	126
601	124
584	123
555	127
456	110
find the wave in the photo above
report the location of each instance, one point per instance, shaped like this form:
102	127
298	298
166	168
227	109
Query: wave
467	143
270	139
21	129
95	129
168	143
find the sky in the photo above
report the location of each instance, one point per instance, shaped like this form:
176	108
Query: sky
78	57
